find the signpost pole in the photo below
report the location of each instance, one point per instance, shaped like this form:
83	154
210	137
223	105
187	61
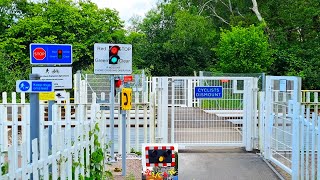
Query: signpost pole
50	104
112	116
123	155
34	114
123	112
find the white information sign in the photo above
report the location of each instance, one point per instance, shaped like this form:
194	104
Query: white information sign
60	95
60	76
101	59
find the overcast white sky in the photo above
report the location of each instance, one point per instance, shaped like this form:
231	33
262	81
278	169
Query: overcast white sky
127	8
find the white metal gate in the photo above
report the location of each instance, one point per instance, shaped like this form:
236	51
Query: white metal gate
282	107
188	121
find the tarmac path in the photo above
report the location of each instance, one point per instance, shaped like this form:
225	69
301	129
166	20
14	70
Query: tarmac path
222	164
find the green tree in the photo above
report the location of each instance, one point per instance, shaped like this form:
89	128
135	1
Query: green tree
294	31
176	42
59	22
244	50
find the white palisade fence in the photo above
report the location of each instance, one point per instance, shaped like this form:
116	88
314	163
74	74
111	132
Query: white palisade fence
309	135
307	160
14	114
289	135
72	141
296	141
55	156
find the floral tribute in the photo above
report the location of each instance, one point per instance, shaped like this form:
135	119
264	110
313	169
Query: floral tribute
160	173
160	161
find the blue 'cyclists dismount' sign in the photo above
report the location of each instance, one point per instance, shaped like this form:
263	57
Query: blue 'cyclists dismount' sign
208	92
34	86
54	54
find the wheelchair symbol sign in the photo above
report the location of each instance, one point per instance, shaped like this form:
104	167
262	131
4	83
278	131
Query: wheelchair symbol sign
24	86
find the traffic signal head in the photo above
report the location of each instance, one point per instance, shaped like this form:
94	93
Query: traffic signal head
117	83
113	54
59	54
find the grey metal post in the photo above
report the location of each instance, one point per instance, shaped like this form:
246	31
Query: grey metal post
77	87
124	155
263	79
112	117
50	104
34	114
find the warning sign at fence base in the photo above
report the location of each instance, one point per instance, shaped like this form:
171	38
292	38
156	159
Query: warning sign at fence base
160	161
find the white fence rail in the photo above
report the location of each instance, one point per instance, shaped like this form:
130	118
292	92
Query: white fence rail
306	141
71	125
72	140
289	136
311	100
294	136
309	135
14	110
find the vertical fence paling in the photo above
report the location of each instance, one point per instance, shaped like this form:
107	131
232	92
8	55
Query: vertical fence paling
61	137
136	100
313	135
261	122
60	161
4	139
318	147
306	143
309	133
2	128
310	165
310	98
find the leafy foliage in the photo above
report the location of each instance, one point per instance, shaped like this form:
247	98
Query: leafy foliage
289	41
169	48
55	21
244	50
294	31
175	38
97	156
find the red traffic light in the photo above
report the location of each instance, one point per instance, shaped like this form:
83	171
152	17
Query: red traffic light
114	50
117	83
113	54
59	54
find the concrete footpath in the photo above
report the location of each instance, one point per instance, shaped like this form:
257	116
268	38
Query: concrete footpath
222	164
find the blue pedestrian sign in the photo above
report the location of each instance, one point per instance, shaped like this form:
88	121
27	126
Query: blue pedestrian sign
208	92
24	86
34	86
54	54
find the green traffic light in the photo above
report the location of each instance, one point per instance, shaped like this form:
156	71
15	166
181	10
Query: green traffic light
114	59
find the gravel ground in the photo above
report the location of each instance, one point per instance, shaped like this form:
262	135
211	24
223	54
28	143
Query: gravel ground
133	167
133	171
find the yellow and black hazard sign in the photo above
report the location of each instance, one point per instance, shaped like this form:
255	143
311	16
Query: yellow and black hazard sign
126	98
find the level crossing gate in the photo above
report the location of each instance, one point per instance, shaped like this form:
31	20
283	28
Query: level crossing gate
281	133
230	120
